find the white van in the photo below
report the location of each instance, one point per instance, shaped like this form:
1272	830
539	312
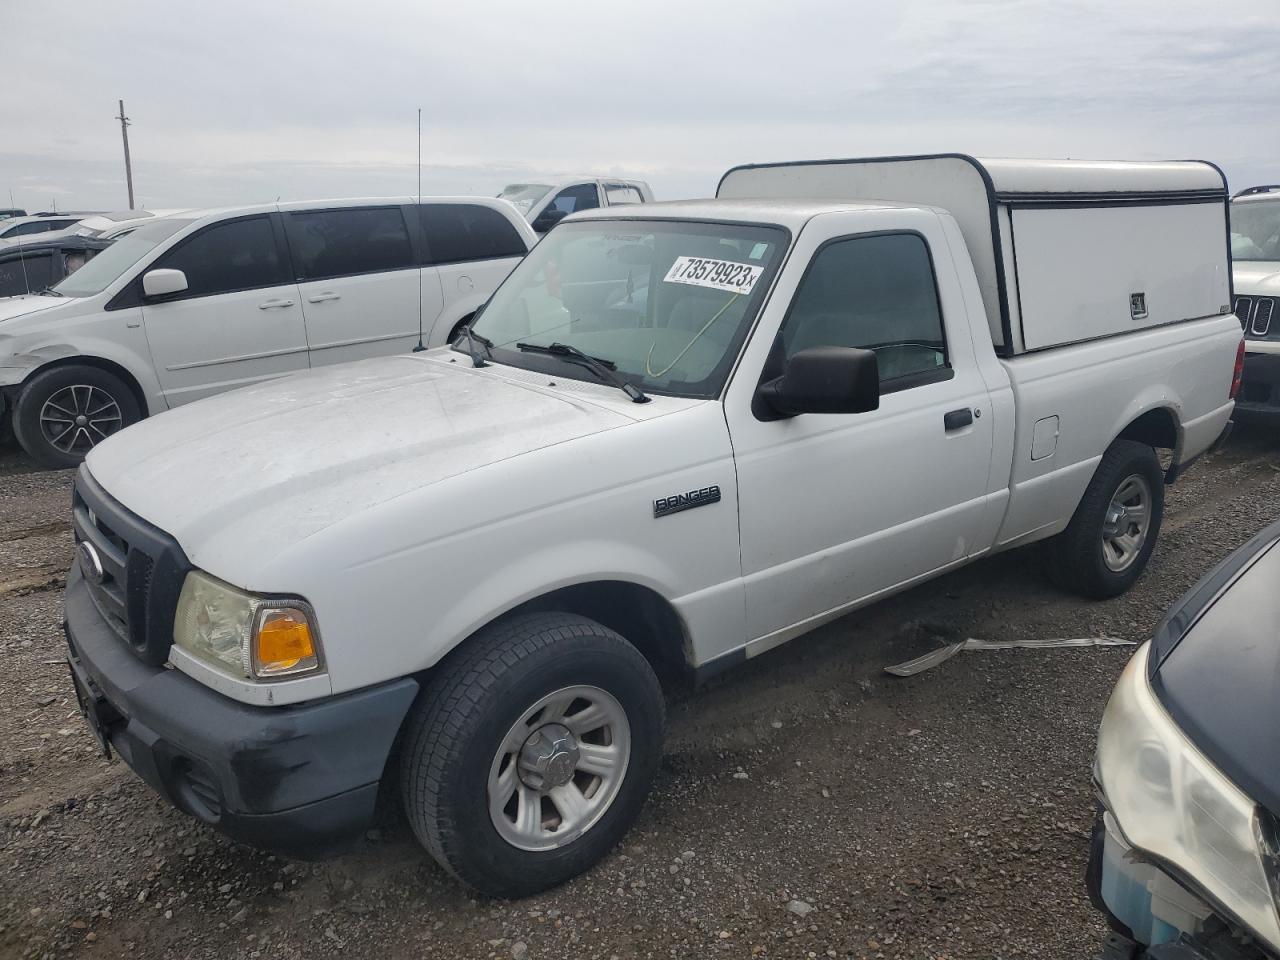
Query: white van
454	572
188	306
547	201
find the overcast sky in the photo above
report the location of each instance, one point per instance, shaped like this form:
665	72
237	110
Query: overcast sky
239	102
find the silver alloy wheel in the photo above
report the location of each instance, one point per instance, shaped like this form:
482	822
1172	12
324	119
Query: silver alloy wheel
1125	526
559	768
76	418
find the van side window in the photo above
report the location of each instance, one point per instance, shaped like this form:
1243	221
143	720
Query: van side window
345	242
228	256
455	232
572	199
877	293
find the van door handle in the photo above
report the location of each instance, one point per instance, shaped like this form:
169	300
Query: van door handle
955	419
274	304
322	297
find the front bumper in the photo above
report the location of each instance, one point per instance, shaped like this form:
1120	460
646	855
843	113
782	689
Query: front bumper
1154	916
298	780
1260	386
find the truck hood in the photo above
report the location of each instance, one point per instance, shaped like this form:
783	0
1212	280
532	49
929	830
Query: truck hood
255	471
1253	277
12	307
1215	666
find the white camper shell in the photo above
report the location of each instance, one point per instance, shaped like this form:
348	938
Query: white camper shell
1065	250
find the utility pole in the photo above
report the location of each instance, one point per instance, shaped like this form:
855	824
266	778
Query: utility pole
128	164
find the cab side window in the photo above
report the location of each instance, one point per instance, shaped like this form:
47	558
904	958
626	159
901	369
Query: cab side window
622	193
572	199
877	293
234	255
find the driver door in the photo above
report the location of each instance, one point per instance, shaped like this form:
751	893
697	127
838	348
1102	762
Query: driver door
838	508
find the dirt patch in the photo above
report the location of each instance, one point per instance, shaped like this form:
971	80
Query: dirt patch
809	805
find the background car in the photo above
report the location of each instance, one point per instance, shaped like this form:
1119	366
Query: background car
546	202
1255	268
38	265
1185	858
15	227
188	306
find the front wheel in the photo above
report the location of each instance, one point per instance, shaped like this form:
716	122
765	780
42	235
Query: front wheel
65	412
531	752
1107	545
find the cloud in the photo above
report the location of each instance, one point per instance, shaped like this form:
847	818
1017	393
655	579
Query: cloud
239	100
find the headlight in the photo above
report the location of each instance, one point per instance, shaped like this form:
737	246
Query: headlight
1171	802
257	638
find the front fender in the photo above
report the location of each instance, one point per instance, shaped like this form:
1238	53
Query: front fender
529	576
18	367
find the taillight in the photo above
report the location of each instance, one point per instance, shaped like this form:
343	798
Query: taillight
1238	374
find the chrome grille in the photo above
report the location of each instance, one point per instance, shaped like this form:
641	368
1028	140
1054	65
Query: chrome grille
109	596
1255	314
1242	307
1262	311
142	570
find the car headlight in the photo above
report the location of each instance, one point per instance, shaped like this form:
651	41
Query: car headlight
1171	802
247	636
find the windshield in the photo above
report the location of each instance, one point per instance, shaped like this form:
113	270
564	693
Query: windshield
1255	230
524	196
100	272
668	303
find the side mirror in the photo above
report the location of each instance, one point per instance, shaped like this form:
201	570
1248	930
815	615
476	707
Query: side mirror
547	219
825	380
162	283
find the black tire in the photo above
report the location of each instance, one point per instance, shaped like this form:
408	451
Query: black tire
38	441
462	716
1075	558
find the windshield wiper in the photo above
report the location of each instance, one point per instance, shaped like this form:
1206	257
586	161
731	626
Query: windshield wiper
50	292
472	339
604	369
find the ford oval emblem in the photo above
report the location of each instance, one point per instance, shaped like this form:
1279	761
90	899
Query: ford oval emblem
90	562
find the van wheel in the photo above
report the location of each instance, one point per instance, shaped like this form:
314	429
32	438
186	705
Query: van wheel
65	412
531	751
1114	529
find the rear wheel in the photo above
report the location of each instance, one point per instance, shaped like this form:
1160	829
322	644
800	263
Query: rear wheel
531	752
1111	536
63	413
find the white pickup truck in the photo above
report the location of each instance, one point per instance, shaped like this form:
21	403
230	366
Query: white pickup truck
677	436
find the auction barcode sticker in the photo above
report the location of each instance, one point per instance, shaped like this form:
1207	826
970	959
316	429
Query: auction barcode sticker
717	274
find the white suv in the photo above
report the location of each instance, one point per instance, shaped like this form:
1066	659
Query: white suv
1255	269
188	306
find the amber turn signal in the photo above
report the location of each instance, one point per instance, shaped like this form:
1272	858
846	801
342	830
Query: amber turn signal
283	643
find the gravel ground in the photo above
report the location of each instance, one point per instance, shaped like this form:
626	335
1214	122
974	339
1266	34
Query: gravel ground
810	805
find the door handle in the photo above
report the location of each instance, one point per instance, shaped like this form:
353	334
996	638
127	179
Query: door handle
955	419
322	297
273	304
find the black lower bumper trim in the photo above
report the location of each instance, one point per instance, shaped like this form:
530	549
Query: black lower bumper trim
1260	383
299	780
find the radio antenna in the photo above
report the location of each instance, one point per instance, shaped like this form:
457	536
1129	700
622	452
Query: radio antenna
420	347
26	284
